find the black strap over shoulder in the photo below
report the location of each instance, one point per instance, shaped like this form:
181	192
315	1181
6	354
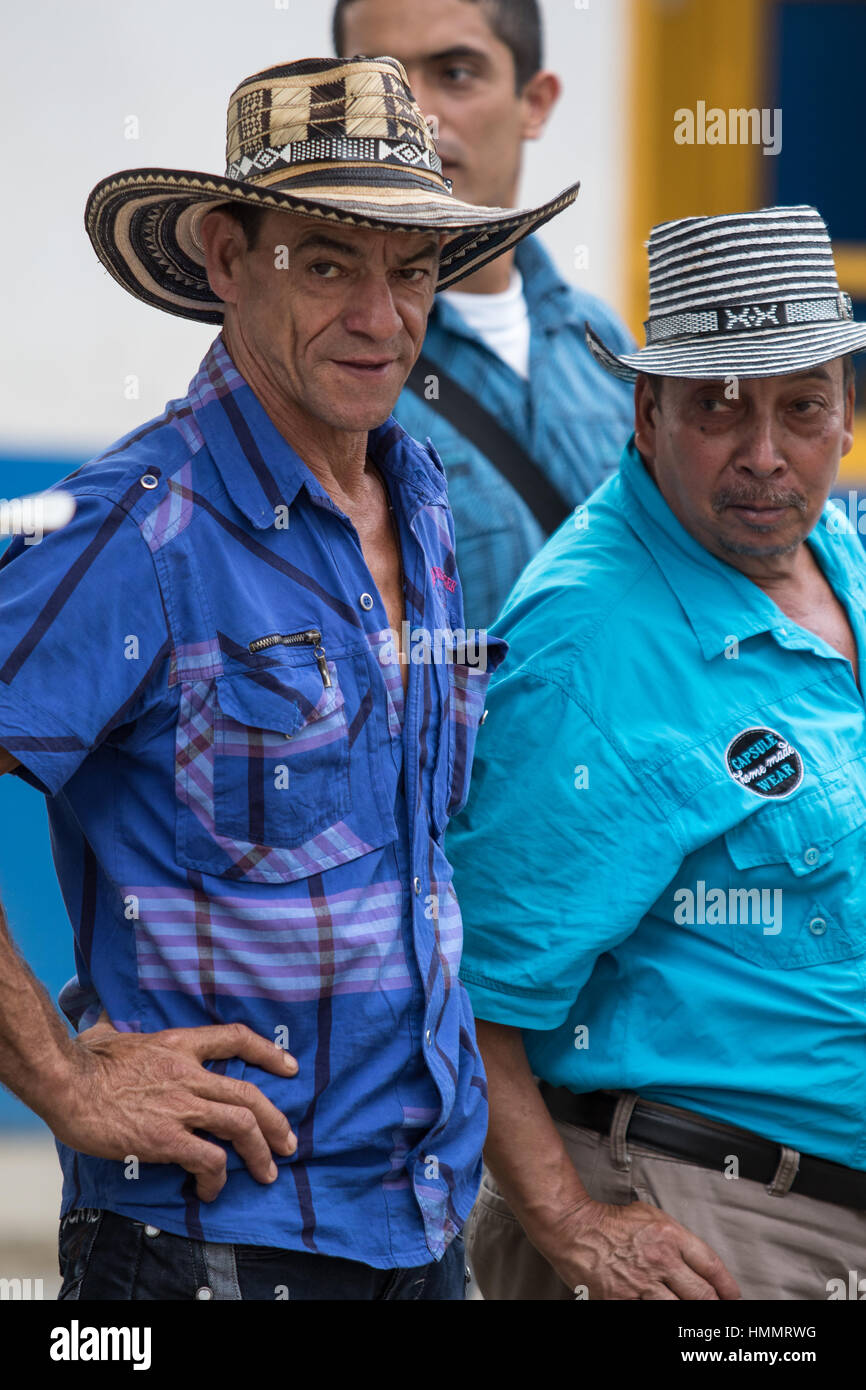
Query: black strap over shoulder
482	429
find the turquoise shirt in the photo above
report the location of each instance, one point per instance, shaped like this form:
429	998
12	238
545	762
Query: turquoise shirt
662	863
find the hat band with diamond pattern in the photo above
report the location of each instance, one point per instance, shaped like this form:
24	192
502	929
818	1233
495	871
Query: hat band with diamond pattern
746	294
341	140
735	318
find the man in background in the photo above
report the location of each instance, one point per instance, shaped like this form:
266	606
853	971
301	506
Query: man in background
526	422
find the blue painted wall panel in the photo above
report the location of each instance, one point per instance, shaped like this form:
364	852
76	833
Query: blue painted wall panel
818	52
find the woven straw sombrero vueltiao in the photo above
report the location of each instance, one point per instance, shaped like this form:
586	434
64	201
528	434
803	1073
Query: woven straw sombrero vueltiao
332	138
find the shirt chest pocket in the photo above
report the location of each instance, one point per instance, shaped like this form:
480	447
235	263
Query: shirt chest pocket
281	757
797	894
262	776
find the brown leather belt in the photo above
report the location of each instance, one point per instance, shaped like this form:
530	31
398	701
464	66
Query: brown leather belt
685	1135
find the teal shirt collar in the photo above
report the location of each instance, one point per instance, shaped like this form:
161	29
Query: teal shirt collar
703	583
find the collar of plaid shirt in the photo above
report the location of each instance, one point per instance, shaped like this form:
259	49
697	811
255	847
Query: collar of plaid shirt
259	468
255	844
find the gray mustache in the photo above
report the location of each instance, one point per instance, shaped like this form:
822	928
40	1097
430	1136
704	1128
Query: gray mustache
767	497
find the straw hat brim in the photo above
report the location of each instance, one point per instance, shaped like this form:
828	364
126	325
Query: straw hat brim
758	353
143	225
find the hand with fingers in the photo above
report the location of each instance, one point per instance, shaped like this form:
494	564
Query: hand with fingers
637	1251
147	1094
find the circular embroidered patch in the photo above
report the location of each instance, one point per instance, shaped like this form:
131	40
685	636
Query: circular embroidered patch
764	763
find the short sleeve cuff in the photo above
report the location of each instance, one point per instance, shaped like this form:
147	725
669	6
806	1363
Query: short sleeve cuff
495	1002
49	751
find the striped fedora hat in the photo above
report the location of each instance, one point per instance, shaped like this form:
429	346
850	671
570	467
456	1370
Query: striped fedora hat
332	138
747	294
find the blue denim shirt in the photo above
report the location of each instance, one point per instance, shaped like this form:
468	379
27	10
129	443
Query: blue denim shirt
571	416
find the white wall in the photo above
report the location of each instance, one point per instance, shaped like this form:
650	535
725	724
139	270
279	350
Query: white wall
73	73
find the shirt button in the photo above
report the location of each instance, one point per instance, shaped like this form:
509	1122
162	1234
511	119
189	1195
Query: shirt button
812	855
429	1037
483	717
204	1292
367	601
416	884
151	1231
149	481
817	926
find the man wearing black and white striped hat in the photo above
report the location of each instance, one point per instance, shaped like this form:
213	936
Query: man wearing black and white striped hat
661	862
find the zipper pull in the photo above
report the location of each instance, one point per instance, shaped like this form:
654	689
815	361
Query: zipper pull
319	654
310	637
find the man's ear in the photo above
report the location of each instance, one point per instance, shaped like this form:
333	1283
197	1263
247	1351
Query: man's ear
225	244
645	412
848	427
538	97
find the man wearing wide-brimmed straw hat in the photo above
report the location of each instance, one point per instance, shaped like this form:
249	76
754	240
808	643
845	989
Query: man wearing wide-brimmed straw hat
241	676
661	862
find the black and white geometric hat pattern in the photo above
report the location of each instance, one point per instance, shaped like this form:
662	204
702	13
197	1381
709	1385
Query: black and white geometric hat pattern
745	294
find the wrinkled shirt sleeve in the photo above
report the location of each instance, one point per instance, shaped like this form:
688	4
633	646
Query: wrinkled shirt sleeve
82	635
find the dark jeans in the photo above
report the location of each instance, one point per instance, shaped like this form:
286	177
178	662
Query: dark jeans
106	1256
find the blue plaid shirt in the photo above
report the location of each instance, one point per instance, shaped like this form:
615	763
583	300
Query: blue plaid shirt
253	832
571	416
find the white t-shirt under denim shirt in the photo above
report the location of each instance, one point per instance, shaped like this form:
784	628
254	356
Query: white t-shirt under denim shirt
501	320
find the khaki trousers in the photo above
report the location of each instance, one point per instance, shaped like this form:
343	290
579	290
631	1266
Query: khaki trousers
777	1244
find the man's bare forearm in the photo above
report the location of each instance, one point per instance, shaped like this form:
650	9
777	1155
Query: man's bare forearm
34	1041
524	1150
613	1252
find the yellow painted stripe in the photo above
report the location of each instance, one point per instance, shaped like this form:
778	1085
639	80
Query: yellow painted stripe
682	54
853	466
850	257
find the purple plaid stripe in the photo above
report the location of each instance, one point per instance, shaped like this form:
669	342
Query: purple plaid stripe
467	701
195	661
216	378
242	741
194	776
188	428
434	1202
174	512
201	945
414	1118
435	516
448	924
393	679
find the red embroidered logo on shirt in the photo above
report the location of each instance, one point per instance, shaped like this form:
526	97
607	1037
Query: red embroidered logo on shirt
438	573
